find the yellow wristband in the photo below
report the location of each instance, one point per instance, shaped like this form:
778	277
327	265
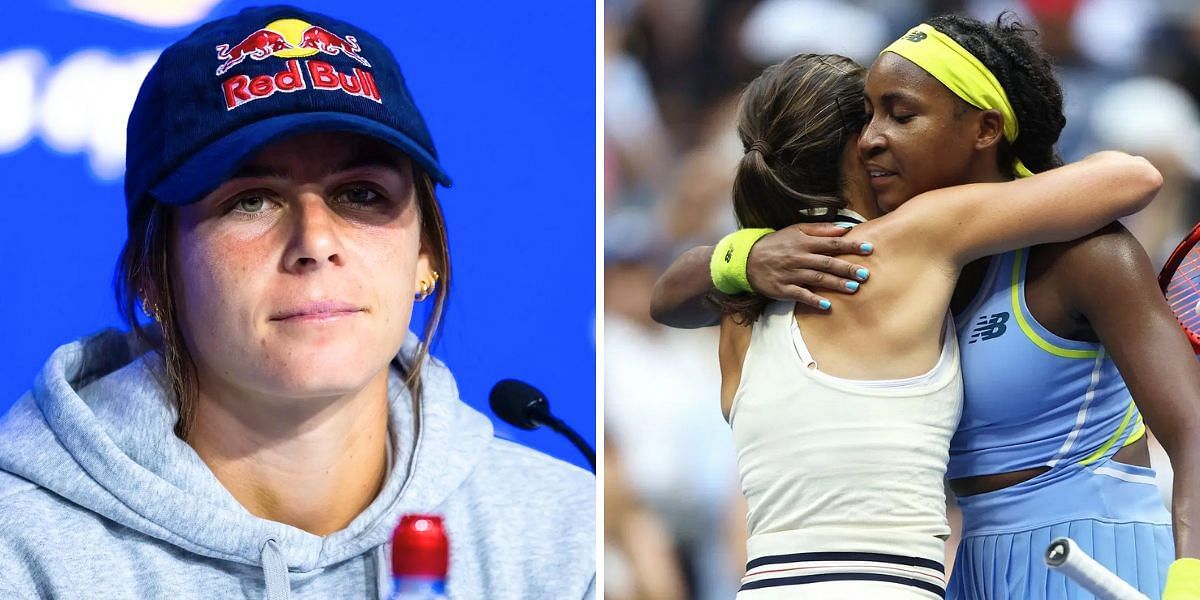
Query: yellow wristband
728	264
1183	580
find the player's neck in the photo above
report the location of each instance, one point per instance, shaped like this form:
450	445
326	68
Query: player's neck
315	466
984	169
862	202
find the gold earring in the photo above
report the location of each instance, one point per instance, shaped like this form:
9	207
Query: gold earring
427	287
151	310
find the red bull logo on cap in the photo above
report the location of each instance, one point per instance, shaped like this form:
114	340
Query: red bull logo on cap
293	39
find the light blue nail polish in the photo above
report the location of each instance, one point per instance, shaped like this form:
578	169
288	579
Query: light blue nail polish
825	305
843	225
852	286
863	274
866	247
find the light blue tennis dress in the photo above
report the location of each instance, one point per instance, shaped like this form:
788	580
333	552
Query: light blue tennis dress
1034	399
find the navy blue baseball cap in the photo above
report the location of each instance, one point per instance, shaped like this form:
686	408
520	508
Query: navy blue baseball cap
236	84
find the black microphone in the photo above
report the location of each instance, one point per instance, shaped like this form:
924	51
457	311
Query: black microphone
522	405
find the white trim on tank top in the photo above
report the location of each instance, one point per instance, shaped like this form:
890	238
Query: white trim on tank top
939	373
945	372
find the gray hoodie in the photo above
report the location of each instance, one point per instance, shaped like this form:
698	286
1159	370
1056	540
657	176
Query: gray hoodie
99	499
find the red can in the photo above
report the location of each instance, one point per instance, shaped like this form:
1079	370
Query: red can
420	547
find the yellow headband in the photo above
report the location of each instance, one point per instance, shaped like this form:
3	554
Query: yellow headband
962	73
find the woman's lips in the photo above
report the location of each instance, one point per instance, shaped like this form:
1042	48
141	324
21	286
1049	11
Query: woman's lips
882	181
880	176
317	311
323	317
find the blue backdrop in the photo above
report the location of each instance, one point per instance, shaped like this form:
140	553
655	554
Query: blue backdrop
508	90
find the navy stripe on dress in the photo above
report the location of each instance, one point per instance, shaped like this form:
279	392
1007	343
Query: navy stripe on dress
894	559
802	579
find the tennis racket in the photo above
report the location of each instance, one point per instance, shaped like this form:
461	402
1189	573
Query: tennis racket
1180	281
1067	558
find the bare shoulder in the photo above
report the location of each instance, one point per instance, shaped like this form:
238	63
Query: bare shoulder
909	260
891	226
907	236
1105	265
1108	253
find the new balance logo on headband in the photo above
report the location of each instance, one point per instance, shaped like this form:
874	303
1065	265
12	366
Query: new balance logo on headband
989	327
915	36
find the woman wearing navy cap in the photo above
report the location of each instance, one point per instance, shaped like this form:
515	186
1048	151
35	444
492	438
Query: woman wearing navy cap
283	223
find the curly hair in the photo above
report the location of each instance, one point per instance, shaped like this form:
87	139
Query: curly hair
1027	76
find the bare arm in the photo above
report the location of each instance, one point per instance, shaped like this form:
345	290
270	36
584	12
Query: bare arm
967	222
1109	279
960	223
780	264
679	294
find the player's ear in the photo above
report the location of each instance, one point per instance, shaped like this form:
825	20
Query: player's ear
989	129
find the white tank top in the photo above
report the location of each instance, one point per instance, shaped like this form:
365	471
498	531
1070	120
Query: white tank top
838	466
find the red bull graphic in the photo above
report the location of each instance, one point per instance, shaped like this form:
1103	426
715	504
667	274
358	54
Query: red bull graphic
356	83
292	39
240	89
258	45
321	39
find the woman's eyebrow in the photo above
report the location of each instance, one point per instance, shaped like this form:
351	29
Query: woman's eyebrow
895	96
256	171
367	159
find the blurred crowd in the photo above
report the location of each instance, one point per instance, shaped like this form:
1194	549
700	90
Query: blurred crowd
673	69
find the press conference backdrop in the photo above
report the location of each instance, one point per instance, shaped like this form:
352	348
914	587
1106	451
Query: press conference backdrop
508	90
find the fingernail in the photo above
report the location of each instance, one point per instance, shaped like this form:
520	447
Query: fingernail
852	286
843	225
825	305
866	247
863	274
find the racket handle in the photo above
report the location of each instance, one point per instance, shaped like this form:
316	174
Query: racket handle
1066	557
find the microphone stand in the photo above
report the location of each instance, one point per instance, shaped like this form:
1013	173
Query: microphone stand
558	425
531	410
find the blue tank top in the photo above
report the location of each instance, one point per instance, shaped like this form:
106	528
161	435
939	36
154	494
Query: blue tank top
1032	398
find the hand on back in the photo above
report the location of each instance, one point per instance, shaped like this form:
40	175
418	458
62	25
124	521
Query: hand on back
794	262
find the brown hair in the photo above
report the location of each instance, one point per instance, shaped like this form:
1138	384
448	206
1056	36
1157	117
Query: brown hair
143	275
794	121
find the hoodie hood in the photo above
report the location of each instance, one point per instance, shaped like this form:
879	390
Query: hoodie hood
97	430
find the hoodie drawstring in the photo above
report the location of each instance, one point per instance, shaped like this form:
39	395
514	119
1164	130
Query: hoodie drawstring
383	573
275	571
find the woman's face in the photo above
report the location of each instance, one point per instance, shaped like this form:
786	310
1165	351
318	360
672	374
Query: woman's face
916	138
296	277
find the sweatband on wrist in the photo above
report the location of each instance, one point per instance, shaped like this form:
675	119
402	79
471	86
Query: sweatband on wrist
728	264
1183	580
